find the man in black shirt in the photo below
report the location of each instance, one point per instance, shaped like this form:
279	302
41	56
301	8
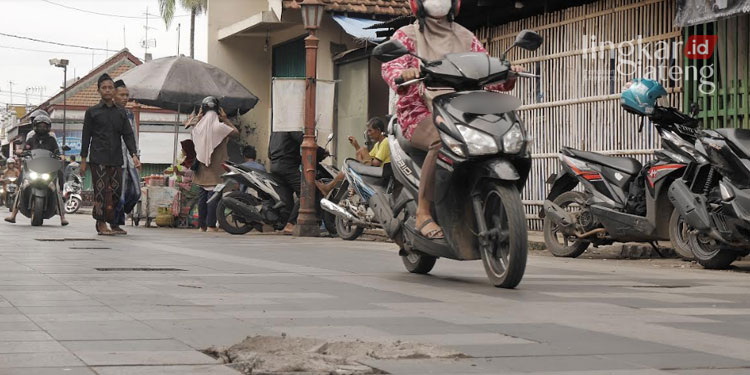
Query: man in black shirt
42	140
284	152
105	126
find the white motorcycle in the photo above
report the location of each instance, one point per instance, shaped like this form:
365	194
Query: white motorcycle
72	194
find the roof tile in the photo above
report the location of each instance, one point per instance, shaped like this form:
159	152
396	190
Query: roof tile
371	7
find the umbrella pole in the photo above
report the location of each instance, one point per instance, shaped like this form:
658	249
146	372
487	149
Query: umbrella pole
176	135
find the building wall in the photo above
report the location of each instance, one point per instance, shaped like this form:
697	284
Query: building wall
576	102
248	61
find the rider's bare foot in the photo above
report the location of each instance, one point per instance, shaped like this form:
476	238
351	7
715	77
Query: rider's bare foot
64	222
117	230
10	219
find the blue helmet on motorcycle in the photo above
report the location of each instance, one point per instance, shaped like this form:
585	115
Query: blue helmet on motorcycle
640	96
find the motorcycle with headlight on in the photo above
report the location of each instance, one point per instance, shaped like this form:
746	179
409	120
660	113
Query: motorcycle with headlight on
38	191
483	164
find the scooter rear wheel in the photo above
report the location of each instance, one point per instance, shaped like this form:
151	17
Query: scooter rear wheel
709	254
570	247
505	258
227	221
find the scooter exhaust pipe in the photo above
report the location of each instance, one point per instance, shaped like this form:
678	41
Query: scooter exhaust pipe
560	217
339	211
249	213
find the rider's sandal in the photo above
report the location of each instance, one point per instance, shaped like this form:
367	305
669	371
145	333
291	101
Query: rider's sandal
12	221
435	234
119	231
105	232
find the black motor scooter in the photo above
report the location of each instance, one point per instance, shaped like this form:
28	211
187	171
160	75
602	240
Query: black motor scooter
37	197
249	198
622	200
483	164
714	198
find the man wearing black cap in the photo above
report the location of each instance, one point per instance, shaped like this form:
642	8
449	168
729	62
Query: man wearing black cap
105	126
131	187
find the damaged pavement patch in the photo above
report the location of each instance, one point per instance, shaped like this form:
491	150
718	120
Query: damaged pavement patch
283	355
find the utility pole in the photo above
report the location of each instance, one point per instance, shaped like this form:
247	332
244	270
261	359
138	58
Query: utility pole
147	42
179	28
10	83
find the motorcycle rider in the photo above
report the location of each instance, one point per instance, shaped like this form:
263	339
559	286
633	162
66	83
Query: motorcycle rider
432	37
379	156
11	171
44	141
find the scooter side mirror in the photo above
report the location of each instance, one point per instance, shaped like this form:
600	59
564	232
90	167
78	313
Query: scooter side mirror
330	138
528	40
389	51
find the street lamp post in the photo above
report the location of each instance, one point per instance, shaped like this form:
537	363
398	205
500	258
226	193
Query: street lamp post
307	223
63	63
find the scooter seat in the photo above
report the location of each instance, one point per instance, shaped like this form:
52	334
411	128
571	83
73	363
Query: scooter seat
364	170
739	138
624	164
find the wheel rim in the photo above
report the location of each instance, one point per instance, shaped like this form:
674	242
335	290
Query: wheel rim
71	205
498	252
574	209
413	258
705	247
682	233
231	220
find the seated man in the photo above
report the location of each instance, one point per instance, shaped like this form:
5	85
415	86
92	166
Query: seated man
379	156
42	140
249	153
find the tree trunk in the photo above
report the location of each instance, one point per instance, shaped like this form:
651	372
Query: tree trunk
192	33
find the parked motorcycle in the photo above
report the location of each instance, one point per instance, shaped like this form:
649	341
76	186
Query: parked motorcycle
349	202
250	198
622	200
483	163
38	195
10	195
72	194
714	198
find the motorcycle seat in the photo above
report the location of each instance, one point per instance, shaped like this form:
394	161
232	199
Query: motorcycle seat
364	170
739	138
624	164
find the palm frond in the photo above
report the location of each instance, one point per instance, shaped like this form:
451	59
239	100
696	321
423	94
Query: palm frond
166	8
199	6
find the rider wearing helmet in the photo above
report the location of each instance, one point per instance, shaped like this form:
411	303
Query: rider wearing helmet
433	36
42	140
32	116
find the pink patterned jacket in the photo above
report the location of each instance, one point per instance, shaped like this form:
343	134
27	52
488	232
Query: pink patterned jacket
411	108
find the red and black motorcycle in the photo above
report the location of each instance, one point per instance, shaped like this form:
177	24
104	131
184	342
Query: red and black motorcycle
622	200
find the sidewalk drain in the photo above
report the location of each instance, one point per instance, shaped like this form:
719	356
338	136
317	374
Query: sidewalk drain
64	239
116	269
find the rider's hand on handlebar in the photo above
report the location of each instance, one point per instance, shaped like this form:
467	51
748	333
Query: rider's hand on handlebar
517	68
410	74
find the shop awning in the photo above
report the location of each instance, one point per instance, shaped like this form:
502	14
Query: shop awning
357	27
695	12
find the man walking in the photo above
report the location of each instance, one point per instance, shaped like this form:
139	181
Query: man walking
131	186
105	126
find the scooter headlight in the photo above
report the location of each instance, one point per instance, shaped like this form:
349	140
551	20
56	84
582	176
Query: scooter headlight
1	190
513	140
479	143
45	176
33	175
453	144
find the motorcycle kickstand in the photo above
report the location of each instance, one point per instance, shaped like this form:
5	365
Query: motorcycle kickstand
656	248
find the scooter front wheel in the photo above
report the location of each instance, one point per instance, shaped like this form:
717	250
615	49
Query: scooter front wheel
37	212
505	256
72	205
418	263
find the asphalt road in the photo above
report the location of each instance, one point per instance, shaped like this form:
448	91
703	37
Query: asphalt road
75	303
